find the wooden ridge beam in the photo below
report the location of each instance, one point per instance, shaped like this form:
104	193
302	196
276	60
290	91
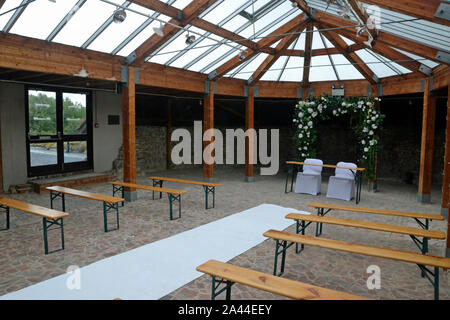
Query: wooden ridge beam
263	43
155	41
356	61
423	9
270	60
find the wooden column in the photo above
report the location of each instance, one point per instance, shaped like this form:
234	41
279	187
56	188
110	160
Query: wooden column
169	133
250	140
129	134
427	146
446	179
208	123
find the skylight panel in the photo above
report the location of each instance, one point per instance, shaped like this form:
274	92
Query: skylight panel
250	68
257	4
317	42
8	5
321	69
293	70
181	4
171	49
275	70
224	10
115	33
380	69
345	69
85	22
211	57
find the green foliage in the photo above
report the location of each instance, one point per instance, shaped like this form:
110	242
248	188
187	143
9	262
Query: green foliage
365	120
42	115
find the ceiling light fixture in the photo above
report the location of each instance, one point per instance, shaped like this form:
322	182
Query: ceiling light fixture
119	15
369	41
190	39
159	31
242	55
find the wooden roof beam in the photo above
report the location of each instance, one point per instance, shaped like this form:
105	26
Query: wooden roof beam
356	61
266	42
137	58
307	58
423	9
270	60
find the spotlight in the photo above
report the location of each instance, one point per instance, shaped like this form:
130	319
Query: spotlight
119	15
190	39
159	31
242	55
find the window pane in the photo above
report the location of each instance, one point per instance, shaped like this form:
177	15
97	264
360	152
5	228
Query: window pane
75	151
74	113
42	112
43	154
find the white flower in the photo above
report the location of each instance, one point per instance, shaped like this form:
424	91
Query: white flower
366	149
374	118
303	155
300	136
307	134
310	123
314	114
300	126
334	112
300	115
365	129
363	142
370	133
372	142
310	110
374	112
305	148
343	104
312	103
374	126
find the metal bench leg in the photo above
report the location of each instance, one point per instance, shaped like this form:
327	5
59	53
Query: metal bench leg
46	225
106	208
227	288
120	189
207	191
6	216
173	198
433	277
157	183
358	186
289	169
284	246
300	227
54	195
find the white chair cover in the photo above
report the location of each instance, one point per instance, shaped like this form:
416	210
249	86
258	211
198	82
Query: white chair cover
310	180
342	184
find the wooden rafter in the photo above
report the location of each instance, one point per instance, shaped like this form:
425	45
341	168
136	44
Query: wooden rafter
323	52
354	59
263	43
307	58
345	28
365	18
424	9
2	2
271	59
154	42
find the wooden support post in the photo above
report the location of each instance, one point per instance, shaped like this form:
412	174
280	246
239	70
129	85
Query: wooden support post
427	146
446	179
208	123
129	135
169	134
250	139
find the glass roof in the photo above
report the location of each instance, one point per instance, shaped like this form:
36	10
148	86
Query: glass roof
89	24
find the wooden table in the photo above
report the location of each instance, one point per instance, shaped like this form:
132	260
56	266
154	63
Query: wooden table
293	169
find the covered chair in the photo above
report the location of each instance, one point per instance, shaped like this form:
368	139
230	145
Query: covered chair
342	184
310	180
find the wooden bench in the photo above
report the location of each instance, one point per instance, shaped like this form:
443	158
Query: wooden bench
207	186
229	274
412	232
293	168
321	207
109	203
49	217
173	194
285	239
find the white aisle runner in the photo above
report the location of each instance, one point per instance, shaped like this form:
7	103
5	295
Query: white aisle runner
158	268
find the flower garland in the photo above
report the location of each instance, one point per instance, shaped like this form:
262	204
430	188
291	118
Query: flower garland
362	113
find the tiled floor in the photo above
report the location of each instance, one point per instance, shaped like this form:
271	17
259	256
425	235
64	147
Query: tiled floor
23	262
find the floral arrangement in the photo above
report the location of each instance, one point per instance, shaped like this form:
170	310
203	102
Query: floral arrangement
365	118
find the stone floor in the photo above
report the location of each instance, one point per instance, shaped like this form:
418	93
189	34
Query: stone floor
23	262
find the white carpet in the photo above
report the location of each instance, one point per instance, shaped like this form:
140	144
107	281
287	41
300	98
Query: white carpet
158	268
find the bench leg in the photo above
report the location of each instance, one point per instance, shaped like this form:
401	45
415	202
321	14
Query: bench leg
300	227
358	179
6	217
173	198
433	277
54	195
284	246
157	183
227	288
46	225
208	190
120	189
106	208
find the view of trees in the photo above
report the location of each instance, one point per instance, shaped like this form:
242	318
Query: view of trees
42	114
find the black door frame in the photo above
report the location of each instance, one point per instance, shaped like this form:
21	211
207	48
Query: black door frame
60	167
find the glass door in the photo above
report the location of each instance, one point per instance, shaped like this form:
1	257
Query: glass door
59	131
